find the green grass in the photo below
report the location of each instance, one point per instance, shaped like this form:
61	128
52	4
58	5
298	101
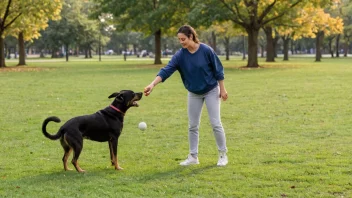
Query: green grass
288	128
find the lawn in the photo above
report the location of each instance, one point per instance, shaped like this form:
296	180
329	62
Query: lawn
288	128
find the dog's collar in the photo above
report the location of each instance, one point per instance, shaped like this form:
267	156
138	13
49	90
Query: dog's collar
118	110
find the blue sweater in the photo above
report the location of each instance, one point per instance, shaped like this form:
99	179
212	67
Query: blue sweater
200	71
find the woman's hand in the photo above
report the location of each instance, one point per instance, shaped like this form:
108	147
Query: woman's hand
148	89
223	94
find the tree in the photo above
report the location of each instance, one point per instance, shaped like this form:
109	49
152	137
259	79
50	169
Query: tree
251	15
321	24
10	45
310	21
152	17
24	19
74	30
346	14
226	31
293	29
8	15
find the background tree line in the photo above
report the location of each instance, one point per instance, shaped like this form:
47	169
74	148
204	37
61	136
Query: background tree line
260	28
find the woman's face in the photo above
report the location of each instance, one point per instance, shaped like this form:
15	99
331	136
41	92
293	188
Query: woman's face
184	40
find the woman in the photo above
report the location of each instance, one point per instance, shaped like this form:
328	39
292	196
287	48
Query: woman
203	76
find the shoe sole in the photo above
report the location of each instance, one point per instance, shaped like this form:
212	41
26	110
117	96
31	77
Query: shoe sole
190	164
222	164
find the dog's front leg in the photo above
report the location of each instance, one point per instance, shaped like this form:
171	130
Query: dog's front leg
113	152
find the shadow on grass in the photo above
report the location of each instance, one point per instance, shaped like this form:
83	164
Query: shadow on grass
178	173
101	176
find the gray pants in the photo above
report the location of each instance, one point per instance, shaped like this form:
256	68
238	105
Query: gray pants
195	103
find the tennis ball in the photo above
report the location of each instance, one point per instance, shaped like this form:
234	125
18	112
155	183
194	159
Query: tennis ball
142	126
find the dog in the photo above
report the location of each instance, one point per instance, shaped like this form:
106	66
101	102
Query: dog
103	126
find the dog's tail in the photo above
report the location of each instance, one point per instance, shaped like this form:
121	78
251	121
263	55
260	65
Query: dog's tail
46	134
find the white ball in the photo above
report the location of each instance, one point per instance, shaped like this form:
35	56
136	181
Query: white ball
142	126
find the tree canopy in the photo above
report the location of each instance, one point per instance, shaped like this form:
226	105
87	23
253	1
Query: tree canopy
251	15
151	17
27	17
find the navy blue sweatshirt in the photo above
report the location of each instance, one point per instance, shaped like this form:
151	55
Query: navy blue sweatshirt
200	71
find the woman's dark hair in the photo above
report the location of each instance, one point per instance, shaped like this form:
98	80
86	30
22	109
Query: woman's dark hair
188	31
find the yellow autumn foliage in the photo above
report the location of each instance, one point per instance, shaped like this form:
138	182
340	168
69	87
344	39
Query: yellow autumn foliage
33	16
310	20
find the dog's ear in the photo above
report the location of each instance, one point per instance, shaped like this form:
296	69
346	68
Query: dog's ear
118	96
114	95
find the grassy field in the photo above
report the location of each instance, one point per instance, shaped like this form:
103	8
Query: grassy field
288	128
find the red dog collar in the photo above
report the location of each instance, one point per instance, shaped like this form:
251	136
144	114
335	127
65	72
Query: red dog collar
118	110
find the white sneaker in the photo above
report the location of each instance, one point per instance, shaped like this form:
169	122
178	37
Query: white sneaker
190	160
222	159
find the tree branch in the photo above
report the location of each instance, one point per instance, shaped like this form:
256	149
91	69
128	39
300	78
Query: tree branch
13	20
266	12
252	13
281	14
2	24
6	14
238	12
234	19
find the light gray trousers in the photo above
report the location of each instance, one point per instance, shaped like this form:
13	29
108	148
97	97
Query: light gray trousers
195	103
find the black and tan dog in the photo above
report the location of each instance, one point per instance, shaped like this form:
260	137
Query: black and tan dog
104	125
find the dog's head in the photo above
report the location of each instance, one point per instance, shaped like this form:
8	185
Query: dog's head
126	99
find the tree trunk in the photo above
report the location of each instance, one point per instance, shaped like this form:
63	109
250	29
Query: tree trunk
330	47
318	42
286	40
135	49
157	59
90	51
165	54
42	54
292	47
8	52
338	45
345	50
262	49
15	52
99	47
21	49
66	52
2	52
213	40
270	54
227	47
252	47
86	52
276	39
244	47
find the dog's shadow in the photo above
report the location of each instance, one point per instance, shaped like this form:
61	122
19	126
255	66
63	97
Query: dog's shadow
105	176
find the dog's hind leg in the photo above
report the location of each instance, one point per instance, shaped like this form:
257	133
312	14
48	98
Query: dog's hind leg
75	142
67	153
76	152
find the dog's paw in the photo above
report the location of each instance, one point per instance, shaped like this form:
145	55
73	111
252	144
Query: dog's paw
118	168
